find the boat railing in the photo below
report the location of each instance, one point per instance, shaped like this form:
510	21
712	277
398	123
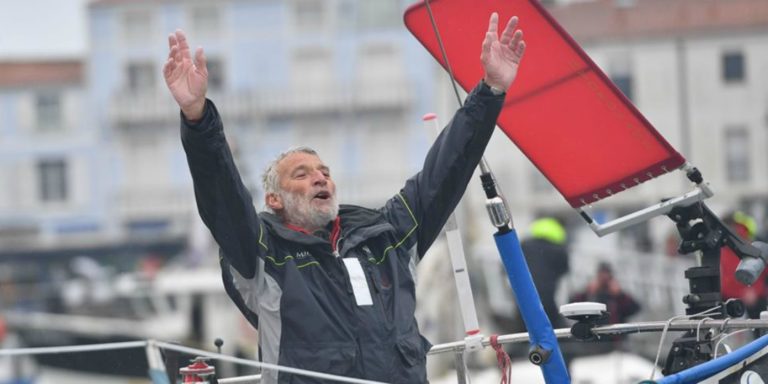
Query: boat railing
458	347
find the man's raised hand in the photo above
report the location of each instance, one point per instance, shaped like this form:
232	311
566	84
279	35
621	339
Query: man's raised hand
187	80
501	56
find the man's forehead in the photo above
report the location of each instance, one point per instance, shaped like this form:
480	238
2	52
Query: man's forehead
298	159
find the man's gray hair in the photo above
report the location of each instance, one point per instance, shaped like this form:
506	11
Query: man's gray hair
269	179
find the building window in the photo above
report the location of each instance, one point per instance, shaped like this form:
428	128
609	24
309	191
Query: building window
309	15
215	74
147	227
380	127
624	83
206	21
137	25
140	76
638	236
737	164
378	14
52	180
379	64
619	67
48	112
313	68
539	182
734	70
346	12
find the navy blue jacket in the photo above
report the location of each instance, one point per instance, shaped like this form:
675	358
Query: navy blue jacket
290	285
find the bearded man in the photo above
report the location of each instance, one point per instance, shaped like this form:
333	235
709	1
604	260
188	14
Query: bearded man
331	288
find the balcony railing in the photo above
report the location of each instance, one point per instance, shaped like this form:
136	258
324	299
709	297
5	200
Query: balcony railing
134	108
154	203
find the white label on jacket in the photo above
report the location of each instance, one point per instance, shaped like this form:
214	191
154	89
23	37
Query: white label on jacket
358	281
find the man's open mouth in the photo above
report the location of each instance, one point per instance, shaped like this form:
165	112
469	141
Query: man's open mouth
323	195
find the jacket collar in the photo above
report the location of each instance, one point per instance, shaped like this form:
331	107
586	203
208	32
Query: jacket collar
285	231
356	224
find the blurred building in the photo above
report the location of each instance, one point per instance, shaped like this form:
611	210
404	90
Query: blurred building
51	157
93	145
342	76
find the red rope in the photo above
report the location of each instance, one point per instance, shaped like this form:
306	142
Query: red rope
505	364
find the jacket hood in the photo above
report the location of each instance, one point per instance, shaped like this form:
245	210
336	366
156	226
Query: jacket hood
353	219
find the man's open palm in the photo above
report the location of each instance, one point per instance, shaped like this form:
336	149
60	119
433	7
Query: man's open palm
501	56
187	80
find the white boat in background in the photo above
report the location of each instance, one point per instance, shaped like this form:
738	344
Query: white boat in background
184	306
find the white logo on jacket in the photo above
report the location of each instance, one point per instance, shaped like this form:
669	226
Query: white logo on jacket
302	255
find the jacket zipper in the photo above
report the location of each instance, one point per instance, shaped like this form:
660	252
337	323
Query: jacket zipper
337	256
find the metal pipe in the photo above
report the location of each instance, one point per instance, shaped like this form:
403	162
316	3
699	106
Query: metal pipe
241	379
461	367
544	351
617	329
700	193
484	167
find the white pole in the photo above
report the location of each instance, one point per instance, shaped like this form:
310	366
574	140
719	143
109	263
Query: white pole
473	338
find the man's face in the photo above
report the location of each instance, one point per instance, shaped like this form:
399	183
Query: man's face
307	196
604	277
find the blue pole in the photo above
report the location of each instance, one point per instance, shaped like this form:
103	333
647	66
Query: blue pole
541	335
712	367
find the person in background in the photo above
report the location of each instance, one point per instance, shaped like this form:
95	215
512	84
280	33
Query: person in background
605	288
547	257
752	296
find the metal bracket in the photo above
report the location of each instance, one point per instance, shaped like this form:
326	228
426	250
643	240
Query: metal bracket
700	192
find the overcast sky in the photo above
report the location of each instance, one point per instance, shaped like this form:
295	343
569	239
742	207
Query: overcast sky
42	28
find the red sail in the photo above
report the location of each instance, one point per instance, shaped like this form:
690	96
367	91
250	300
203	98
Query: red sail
562	112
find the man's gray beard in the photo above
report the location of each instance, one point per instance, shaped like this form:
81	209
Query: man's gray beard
297	210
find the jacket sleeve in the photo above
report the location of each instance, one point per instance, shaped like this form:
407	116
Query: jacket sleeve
628	306
422	207
225	205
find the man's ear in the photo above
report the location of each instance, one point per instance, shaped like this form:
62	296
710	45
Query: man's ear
273	201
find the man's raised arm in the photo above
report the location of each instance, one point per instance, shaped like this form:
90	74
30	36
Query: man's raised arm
225	205
429	197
